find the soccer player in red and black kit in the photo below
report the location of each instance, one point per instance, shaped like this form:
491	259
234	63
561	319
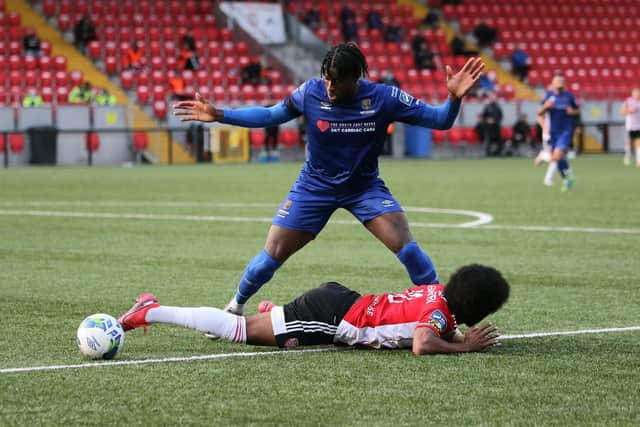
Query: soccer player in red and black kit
424	318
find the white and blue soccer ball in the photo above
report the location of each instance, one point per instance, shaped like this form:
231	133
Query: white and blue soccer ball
100	336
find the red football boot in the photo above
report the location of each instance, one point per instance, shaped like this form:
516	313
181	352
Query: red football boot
135	317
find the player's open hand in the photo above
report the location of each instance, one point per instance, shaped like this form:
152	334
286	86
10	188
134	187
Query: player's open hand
481	337
461	83
198	109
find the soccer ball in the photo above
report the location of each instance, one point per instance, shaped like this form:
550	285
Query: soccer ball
100	336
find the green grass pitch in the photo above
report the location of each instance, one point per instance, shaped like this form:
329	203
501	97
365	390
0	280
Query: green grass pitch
58	268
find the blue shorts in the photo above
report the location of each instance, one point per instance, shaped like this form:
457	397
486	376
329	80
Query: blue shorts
307	210
562	140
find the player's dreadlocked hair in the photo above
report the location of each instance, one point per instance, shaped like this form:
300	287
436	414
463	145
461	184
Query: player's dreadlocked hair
474	292
347	60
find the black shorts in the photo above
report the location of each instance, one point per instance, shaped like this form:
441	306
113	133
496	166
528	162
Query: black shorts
634	134
313	317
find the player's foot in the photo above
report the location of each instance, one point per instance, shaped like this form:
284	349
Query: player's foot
265	306
234	308
136	316
538	161
567	183
548	183
627	160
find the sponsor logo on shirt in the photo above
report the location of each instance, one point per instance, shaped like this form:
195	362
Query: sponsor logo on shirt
405	98
323	125
438	320
388	203
325	105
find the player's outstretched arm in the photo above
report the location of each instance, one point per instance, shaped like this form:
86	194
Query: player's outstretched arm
198	109
425	341
460	84
252	117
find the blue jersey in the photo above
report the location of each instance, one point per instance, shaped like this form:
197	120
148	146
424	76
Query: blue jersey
559	120
345	140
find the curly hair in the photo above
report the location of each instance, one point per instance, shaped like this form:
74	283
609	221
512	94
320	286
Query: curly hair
347	60
475	291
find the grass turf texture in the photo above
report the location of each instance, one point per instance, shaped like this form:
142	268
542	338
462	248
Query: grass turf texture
54	271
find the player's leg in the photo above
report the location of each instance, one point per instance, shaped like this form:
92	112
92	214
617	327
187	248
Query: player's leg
383	216
299	219
636	143
280	245
627	149
553	162
560	156
254	330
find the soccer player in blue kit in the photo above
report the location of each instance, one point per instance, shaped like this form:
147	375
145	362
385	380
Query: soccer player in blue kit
347	118
561	106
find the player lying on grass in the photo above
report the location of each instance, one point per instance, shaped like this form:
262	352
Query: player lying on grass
423	318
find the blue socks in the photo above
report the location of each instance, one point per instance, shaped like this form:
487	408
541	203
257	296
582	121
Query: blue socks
259	271
418	264
563	166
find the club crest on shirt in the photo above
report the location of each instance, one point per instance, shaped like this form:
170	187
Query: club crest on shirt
287	204
366	104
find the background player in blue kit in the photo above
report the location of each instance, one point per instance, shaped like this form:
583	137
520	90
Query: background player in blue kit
347	119
561	106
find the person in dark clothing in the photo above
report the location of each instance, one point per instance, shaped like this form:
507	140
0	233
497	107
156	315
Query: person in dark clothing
312	18
84	33
31	43
424	58
485	34
492	119
374	20
459	47
521	132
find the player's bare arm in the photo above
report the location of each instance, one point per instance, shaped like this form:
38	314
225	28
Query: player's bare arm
548	104
198	109
425	341
460	84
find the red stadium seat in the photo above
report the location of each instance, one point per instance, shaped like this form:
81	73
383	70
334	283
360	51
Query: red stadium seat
471	136
92	142
16	143
257	138
160	109
140	141
76	76
31	78
126	79
30	62
61	78
456	135
289	137
47	94
111	65
159	93
142	93
94	50
60	62
439	136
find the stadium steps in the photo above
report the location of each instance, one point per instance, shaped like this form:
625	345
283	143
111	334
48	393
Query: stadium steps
523	91
158	142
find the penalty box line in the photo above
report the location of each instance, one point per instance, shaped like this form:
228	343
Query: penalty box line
279	352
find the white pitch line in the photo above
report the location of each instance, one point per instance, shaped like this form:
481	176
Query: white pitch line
562	333
280	352
173	217
482	218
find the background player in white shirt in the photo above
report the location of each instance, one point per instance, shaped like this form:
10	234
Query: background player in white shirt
424	318
631	110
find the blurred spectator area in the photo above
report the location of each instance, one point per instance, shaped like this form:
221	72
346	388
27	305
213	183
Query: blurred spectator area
594	42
